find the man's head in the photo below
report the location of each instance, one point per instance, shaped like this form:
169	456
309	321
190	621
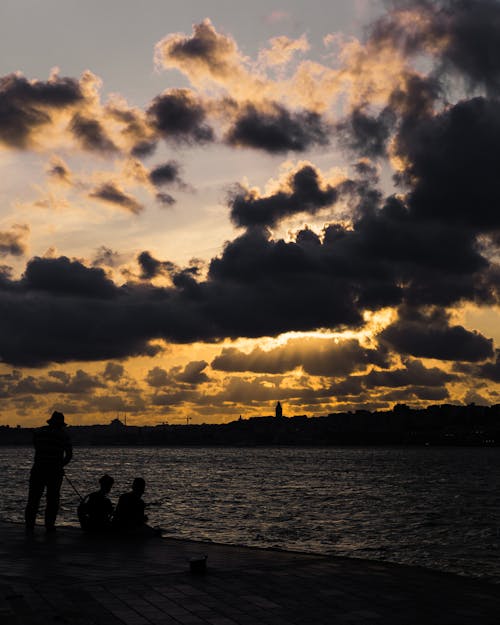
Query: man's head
106	482
56	420
138	486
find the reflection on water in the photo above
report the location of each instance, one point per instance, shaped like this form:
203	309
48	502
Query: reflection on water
426	506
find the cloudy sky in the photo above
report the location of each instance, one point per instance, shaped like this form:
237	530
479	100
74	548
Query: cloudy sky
207	207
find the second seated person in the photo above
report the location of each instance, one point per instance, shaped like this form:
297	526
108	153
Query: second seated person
129	512
96	510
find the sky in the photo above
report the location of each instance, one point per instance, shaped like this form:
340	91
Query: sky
207	207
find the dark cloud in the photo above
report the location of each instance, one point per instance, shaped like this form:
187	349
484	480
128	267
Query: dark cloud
412	379
59	171
431	394
414	373
114	403
167	173
110	192
61	382
26	106
91	134
434	234
191	375
157	377
76	313
142	149
438	263
113	371
452	165
62	276
134	128
105	256
305	193
433	245
254	390
62	376
487	370
151	267
270	287
60	325
318	357
178	115
490	370
275	129
413	393
257	287
367	134
13	241
461	34
415	100
57	92
174	397
166	199
429	335
206	51
472	43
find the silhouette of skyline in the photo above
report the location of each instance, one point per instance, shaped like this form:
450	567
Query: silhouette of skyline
441	425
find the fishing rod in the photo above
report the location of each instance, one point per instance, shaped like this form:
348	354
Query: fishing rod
157	502
72	486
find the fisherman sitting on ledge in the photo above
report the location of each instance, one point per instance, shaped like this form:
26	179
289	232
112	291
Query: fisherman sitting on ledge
129	513
95	510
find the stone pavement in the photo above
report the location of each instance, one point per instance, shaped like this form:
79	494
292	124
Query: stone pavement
70	578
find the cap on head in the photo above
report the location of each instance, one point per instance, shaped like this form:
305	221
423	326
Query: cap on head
57	418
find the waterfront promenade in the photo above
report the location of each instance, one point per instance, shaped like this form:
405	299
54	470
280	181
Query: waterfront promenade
70	578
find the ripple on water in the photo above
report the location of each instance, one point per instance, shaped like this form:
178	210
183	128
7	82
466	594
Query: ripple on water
429	507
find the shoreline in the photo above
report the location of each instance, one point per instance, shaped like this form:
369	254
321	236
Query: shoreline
136	582
299	552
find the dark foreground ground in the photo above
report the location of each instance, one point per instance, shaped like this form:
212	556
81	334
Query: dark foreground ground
70	578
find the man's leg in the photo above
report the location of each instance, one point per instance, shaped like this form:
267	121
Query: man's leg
54	482
37	484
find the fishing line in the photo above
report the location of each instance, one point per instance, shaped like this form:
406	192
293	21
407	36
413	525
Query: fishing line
72	486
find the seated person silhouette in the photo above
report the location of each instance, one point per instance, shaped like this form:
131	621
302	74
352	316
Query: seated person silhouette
129	513
96	510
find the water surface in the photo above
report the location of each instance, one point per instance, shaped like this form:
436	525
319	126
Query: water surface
435	507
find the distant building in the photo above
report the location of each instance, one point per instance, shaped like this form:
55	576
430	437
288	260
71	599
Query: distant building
279	410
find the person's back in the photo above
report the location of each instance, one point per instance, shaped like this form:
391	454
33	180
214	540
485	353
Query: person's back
96	510
52	445
129	513
52	452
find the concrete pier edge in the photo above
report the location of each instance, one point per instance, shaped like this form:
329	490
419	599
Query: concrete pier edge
82	580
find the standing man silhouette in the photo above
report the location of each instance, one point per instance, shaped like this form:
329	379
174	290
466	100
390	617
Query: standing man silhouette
53	451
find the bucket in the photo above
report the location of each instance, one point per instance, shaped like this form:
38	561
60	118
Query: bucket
198	564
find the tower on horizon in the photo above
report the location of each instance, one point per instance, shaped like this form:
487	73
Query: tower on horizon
279	410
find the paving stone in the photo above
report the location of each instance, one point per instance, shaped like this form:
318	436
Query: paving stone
76	580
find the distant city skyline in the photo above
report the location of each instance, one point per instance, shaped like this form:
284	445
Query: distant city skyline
210	207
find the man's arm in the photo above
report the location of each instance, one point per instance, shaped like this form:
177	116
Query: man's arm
68	452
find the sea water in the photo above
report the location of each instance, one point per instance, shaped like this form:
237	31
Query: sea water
433	507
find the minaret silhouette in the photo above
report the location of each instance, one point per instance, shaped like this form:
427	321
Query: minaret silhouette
279	410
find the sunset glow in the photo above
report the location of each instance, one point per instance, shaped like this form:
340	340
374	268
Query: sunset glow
196	222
